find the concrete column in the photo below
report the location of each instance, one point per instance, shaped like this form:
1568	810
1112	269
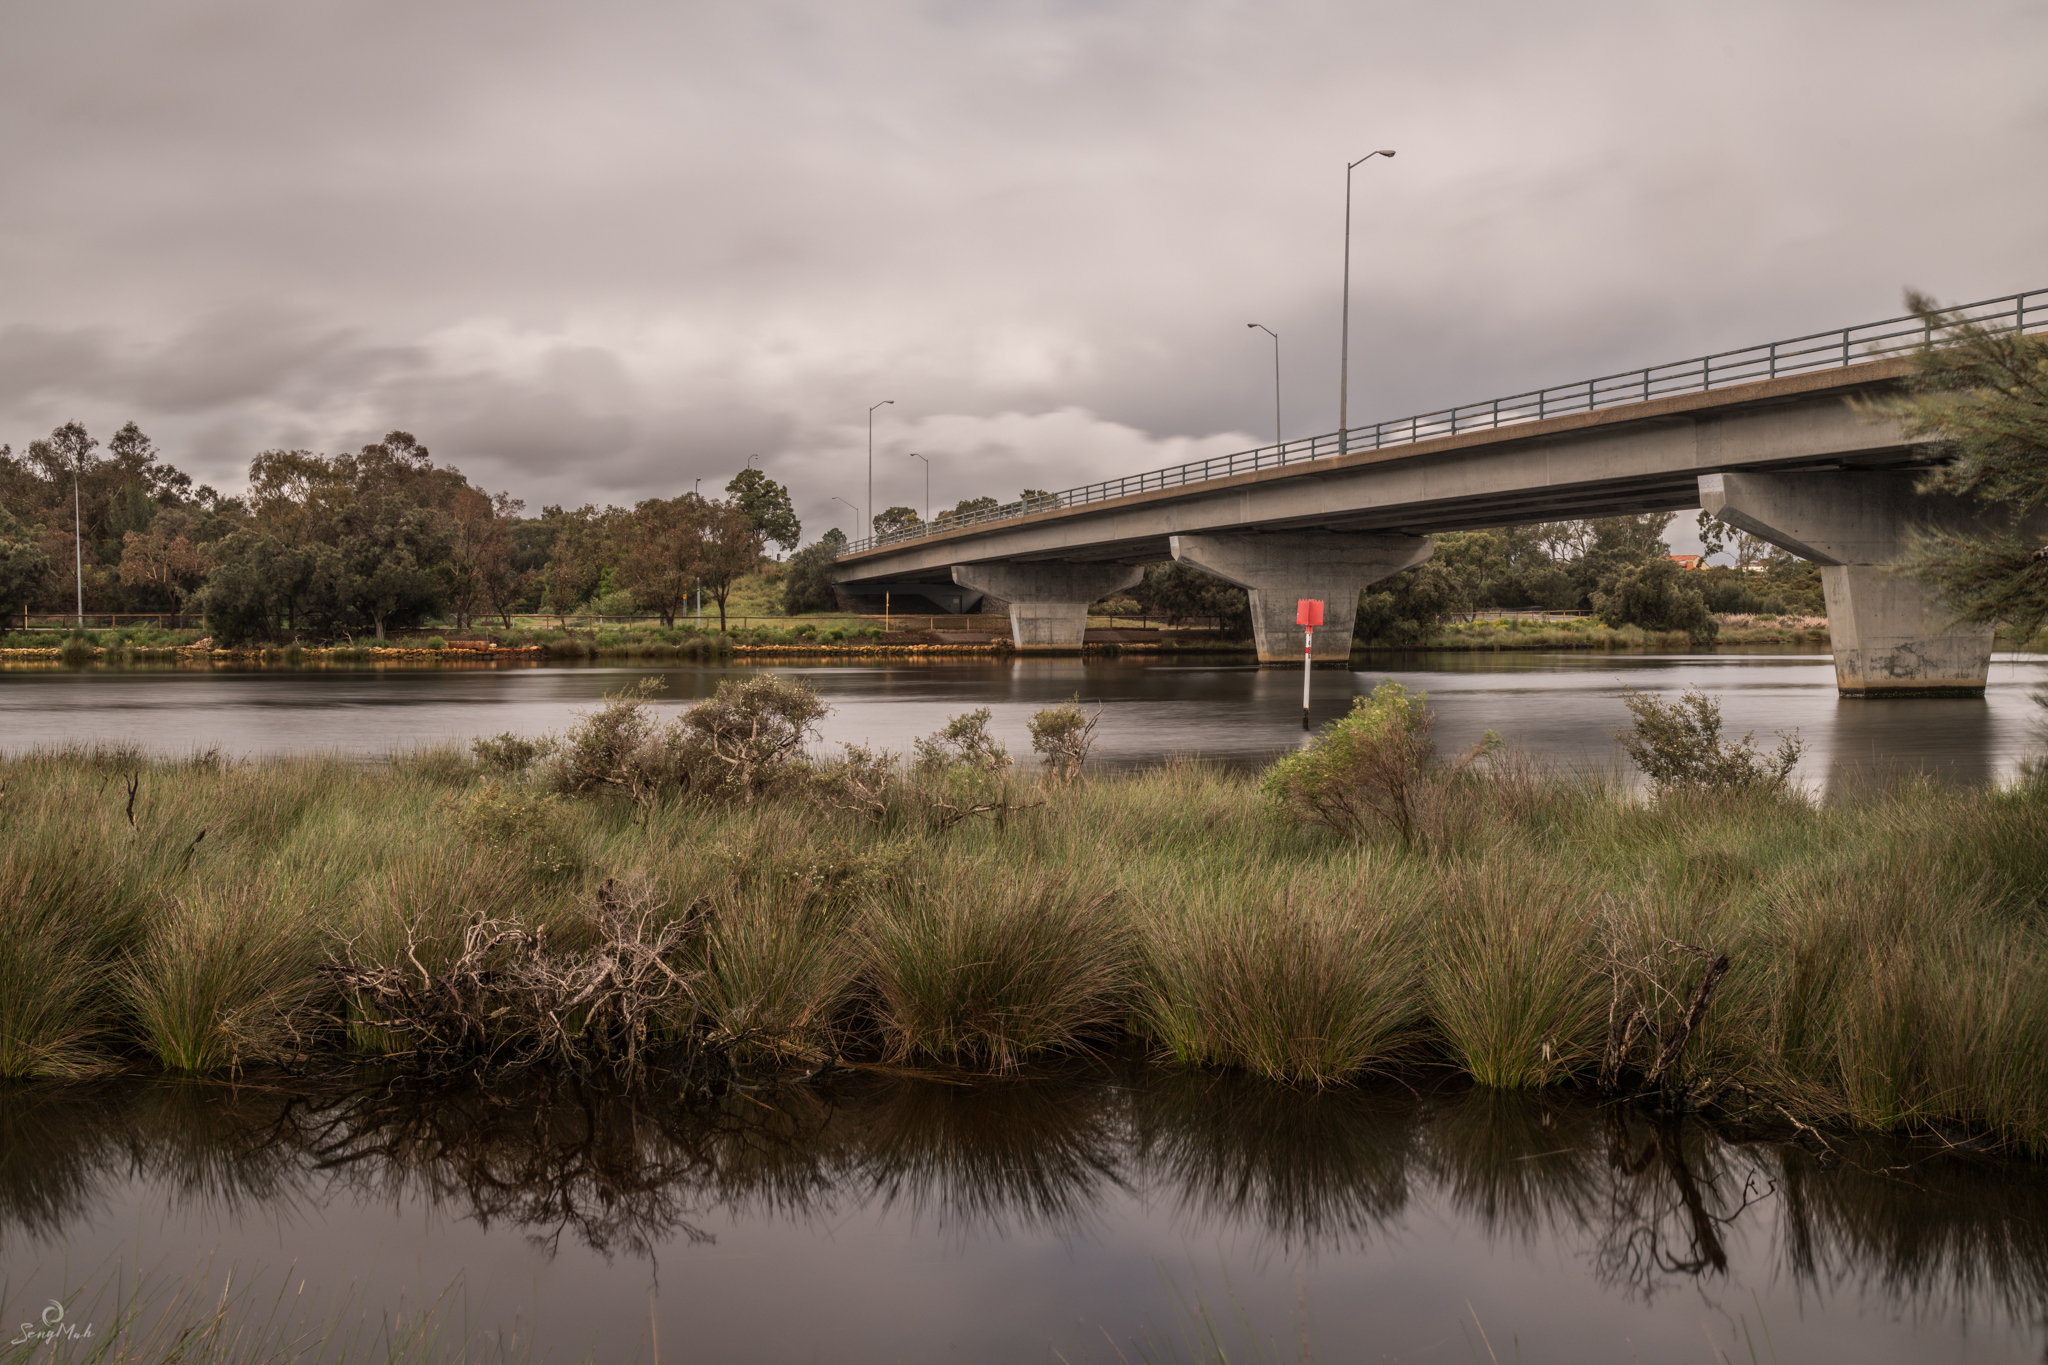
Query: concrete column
1048	602
1286	566
1892	637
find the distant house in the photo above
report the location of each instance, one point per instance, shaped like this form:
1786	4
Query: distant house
1687	561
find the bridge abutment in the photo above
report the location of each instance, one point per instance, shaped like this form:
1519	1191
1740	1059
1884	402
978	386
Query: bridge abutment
1048	601
1280	568
1892	637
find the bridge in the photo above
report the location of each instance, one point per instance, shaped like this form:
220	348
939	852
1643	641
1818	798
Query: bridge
1770	439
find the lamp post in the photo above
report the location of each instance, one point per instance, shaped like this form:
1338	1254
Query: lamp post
77	538
849	506
1344	346
871	461
927	488
752	458
1276	378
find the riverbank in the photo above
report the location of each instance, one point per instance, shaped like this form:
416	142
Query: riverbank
1887	960
1506	633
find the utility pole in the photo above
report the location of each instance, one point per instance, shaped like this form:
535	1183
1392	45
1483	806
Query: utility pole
1344	346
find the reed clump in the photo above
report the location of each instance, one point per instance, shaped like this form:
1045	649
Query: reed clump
1876	963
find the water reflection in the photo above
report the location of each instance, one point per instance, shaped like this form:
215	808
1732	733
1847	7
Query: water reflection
1645	1203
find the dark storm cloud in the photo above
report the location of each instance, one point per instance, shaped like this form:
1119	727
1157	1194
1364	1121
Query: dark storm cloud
594	252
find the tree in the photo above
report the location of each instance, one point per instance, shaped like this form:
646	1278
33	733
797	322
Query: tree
1653	596
896	521
1179	592
731	548
805	586
767	506
256	586
1982	395
664	552
167	559
24	568
481	553
967	509
1038	500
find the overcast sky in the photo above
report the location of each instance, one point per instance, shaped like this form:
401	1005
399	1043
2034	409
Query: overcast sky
591	252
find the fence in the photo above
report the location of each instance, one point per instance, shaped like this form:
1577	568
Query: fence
109	620
2025	312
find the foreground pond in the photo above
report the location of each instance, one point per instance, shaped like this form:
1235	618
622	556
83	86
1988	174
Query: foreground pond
1564	706
1097	1216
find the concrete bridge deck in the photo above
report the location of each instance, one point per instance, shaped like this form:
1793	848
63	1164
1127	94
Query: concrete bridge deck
1771	455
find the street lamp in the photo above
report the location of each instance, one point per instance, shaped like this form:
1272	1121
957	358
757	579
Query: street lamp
871	460
752	458
849	506
77	538
927	488
1276	378
1344	347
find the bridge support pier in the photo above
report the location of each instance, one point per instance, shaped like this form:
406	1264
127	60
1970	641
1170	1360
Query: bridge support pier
1892	637
1282	567
1049	601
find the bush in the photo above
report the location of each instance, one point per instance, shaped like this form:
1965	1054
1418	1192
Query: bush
619	747
527	824
1063	735
964	743
1367	767
1679	745
804	585
512	754
745	740
436	642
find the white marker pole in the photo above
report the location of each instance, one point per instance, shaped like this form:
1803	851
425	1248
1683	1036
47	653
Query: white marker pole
1308	653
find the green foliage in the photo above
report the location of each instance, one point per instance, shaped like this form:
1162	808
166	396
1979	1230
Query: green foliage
1981	397
1179	592
23	566
1062	735
745	741
767	507
1654	595
964	743
532	826
896	521
224	977
992	971
1679	745
622	748
1367	768
804	584
511	754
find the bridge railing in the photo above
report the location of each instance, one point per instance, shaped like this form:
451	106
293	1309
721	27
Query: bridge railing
2027	312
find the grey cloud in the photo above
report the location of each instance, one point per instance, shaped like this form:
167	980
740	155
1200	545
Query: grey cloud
592	248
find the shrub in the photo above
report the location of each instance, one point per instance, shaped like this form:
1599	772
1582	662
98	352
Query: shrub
528	824
619	747
512	754
861	781
1679	745
964	743
1368	767
1063	735
436	642
746	739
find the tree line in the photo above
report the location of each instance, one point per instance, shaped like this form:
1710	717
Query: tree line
360	543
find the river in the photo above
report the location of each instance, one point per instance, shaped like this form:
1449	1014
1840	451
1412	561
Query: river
1564	707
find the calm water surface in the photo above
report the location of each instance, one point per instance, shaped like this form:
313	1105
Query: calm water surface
1564	706
1092	1217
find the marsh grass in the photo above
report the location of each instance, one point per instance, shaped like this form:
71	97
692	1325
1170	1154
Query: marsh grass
1887	956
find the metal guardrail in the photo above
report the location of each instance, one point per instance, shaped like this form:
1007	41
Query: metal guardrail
1831	350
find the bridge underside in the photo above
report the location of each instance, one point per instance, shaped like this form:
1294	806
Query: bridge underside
1329	526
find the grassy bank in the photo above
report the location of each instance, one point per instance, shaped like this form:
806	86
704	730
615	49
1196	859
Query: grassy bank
1886	962
1508	633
